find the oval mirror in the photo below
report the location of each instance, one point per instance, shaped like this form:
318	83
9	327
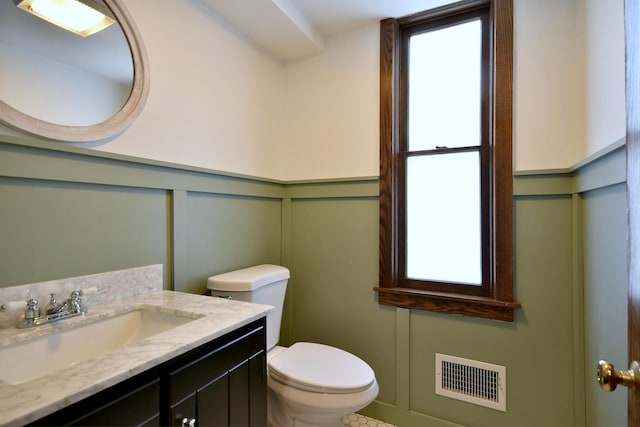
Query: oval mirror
61	86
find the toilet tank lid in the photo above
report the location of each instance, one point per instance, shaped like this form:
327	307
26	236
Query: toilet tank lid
248	279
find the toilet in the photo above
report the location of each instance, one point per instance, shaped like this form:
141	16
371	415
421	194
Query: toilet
309	384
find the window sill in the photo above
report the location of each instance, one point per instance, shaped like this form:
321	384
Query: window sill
465	305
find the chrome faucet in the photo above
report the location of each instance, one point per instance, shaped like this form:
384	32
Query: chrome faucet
71	307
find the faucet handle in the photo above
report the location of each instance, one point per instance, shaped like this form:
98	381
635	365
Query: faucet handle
52	303
32	311
76	303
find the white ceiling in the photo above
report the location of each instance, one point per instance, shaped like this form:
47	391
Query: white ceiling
295	29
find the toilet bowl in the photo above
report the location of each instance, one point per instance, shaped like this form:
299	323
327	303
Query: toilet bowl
309	384
316	385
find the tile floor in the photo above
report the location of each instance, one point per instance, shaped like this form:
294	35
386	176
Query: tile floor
357	420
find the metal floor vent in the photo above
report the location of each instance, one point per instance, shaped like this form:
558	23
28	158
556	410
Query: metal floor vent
471	381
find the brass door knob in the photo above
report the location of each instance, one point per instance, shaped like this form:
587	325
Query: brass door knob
609	377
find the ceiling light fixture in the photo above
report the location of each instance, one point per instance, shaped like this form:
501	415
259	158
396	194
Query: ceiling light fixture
82	17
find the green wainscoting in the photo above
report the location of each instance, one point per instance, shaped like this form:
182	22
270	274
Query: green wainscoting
605	298
66	211
227	233
52	230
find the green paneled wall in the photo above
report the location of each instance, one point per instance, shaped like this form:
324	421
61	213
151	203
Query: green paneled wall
540	337
51	230
605	298
66	211
229	232
334	263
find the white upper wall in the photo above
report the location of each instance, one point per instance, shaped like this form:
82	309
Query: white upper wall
218	101
332	106
546	84
604	75
215	101
568	93
569	81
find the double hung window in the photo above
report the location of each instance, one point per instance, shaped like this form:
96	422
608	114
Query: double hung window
445	158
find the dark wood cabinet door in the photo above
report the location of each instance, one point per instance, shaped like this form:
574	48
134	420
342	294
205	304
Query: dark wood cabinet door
213	403
134	402
239	402
185	409
229	380
258	390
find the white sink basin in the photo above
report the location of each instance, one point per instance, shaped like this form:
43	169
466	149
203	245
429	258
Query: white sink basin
59	350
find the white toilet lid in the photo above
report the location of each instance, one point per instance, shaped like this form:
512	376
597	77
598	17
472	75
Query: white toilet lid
322	369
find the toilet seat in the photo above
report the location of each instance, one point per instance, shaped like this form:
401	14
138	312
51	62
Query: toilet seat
321	369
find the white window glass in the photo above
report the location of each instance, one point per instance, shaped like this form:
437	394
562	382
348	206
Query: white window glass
445	87
444	218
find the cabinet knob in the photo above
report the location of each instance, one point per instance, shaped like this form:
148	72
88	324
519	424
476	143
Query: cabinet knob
188	422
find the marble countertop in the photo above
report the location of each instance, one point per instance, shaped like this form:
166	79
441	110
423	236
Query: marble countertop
213	317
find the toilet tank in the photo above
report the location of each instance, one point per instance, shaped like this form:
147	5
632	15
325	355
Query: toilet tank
260	284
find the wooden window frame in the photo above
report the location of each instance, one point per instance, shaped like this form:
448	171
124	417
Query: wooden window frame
494	300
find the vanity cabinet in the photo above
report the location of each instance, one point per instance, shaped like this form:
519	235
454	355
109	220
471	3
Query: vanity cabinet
223	387
133	402
221	383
